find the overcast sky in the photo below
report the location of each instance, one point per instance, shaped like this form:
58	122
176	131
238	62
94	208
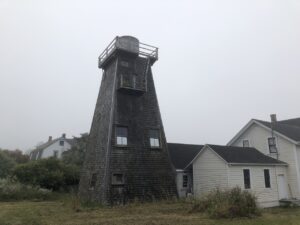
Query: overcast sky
220	64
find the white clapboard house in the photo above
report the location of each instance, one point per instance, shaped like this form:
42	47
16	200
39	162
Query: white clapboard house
279	140
263	157
201	169
52	148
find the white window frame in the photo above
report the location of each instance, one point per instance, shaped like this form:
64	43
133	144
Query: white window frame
121	140
249	178
269	177
155	142
276	145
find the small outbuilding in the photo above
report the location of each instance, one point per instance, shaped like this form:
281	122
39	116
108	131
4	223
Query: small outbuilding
227	167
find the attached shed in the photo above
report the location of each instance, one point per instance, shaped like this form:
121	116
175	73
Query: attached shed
227	167
181	155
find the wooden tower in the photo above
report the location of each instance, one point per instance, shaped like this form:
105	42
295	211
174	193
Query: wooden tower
127	156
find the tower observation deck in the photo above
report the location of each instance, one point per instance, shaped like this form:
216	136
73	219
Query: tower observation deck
130	45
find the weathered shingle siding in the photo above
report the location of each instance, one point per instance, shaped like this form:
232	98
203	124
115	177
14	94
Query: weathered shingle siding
209	172
147	172
258	137
266	197
97	148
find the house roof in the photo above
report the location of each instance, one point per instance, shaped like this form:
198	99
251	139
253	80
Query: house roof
289	128
243	155
182	154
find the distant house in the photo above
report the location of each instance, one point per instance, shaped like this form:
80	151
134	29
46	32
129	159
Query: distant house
52	148
280	140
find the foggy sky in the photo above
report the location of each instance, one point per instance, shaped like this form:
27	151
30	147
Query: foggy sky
220	64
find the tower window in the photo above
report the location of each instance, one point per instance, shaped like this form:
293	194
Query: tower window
247	182
154	138
93	181
246	143
117	179
61	143
129	80
125	63
121	133
272	145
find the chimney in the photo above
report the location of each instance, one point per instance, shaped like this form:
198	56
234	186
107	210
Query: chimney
273	118
50	138
63	135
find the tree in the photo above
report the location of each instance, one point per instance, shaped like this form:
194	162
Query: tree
76	155
48	173
7	165
17	155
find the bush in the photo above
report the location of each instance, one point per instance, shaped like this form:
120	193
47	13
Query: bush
13	190
47	173
6	165
228	204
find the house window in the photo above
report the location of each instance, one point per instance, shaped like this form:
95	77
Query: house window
246	143
61	143
184	181
267	178
118	179
55	153
247	183
121	133
154	138
272	144
93	181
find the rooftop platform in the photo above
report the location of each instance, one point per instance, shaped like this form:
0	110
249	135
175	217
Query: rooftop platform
127	44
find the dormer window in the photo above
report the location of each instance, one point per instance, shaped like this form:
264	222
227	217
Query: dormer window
61	143
246	143
272	145
121	136
154	138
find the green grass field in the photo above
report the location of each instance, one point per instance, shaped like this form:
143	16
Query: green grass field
67	211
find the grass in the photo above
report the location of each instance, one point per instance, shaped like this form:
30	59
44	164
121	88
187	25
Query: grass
68	211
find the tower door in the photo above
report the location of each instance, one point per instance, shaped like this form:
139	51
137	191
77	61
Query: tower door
282	187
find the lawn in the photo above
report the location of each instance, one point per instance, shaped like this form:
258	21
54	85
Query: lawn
68	211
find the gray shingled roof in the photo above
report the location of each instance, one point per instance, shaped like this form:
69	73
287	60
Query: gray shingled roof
232	154
289	128
182	154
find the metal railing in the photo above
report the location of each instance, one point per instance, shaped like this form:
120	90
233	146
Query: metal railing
145	50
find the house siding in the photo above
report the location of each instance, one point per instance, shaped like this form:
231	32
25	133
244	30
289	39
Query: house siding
49	151
209	172
266	197
258	137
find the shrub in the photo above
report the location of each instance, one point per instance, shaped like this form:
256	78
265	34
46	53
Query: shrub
47	173
228	204
13	190
6	165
